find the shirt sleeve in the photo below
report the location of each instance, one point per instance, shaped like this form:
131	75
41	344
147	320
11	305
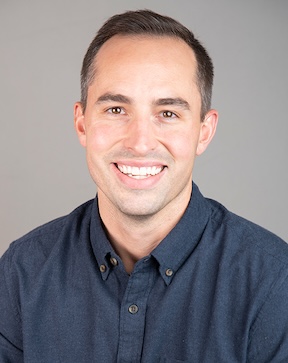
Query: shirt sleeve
10	321
269	333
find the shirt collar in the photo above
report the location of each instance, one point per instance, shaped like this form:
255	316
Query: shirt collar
184	237
171	252
101	246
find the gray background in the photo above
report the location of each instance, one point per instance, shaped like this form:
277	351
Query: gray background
43	168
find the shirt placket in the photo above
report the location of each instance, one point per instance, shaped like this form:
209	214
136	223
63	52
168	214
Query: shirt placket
133	312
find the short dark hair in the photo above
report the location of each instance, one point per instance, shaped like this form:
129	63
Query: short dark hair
146	22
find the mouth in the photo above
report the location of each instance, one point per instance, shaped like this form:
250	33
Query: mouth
142	172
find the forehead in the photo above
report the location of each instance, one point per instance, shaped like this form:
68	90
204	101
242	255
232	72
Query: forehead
145	50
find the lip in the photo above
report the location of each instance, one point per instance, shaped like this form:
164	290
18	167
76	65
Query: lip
140	182
140	172
139	163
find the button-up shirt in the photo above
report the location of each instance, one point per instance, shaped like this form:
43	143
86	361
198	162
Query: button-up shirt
214	290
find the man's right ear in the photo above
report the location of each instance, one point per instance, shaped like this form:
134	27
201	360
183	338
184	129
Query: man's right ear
79	123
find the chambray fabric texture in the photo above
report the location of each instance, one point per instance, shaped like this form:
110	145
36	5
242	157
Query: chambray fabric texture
214	290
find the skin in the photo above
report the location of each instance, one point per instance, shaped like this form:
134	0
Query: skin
143	117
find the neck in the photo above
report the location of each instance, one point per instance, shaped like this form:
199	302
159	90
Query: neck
134	237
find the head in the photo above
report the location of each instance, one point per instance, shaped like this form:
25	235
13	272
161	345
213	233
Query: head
146	22
142	118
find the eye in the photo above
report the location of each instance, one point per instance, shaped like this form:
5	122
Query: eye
168	114
116	110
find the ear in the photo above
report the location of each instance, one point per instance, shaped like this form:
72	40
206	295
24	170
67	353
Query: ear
79	123
207	131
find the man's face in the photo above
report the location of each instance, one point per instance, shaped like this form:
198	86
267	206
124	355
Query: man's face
141	126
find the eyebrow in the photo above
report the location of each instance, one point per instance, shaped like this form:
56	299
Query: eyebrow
169	101
106	97
178	101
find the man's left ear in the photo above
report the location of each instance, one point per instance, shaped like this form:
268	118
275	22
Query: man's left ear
207	131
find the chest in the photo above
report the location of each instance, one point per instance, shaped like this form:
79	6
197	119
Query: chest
188	317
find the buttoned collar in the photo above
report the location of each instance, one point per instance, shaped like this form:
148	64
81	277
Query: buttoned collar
171	253
102	248
175	248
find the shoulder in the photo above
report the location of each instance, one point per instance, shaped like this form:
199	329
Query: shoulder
39	242
244	233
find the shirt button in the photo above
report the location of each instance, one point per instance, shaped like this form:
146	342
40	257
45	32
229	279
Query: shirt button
169	272
102	268
133	309
113	261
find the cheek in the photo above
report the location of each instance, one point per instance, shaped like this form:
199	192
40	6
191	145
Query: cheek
100	138
183	145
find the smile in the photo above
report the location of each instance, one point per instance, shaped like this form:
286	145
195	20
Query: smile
140	172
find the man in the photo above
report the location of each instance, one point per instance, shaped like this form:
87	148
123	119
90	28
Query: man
149	271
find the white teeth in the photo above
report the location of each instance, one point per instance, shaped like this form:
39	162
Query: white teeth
142	172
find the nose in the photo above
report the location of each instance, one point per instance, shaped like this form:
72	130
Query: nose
141	136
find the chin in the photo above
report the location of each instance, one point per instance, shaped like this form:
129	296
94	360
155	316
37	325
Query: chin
140	210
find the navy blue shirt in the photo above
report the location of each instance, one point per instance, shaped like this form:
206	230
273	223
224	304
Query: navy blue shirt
214	290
